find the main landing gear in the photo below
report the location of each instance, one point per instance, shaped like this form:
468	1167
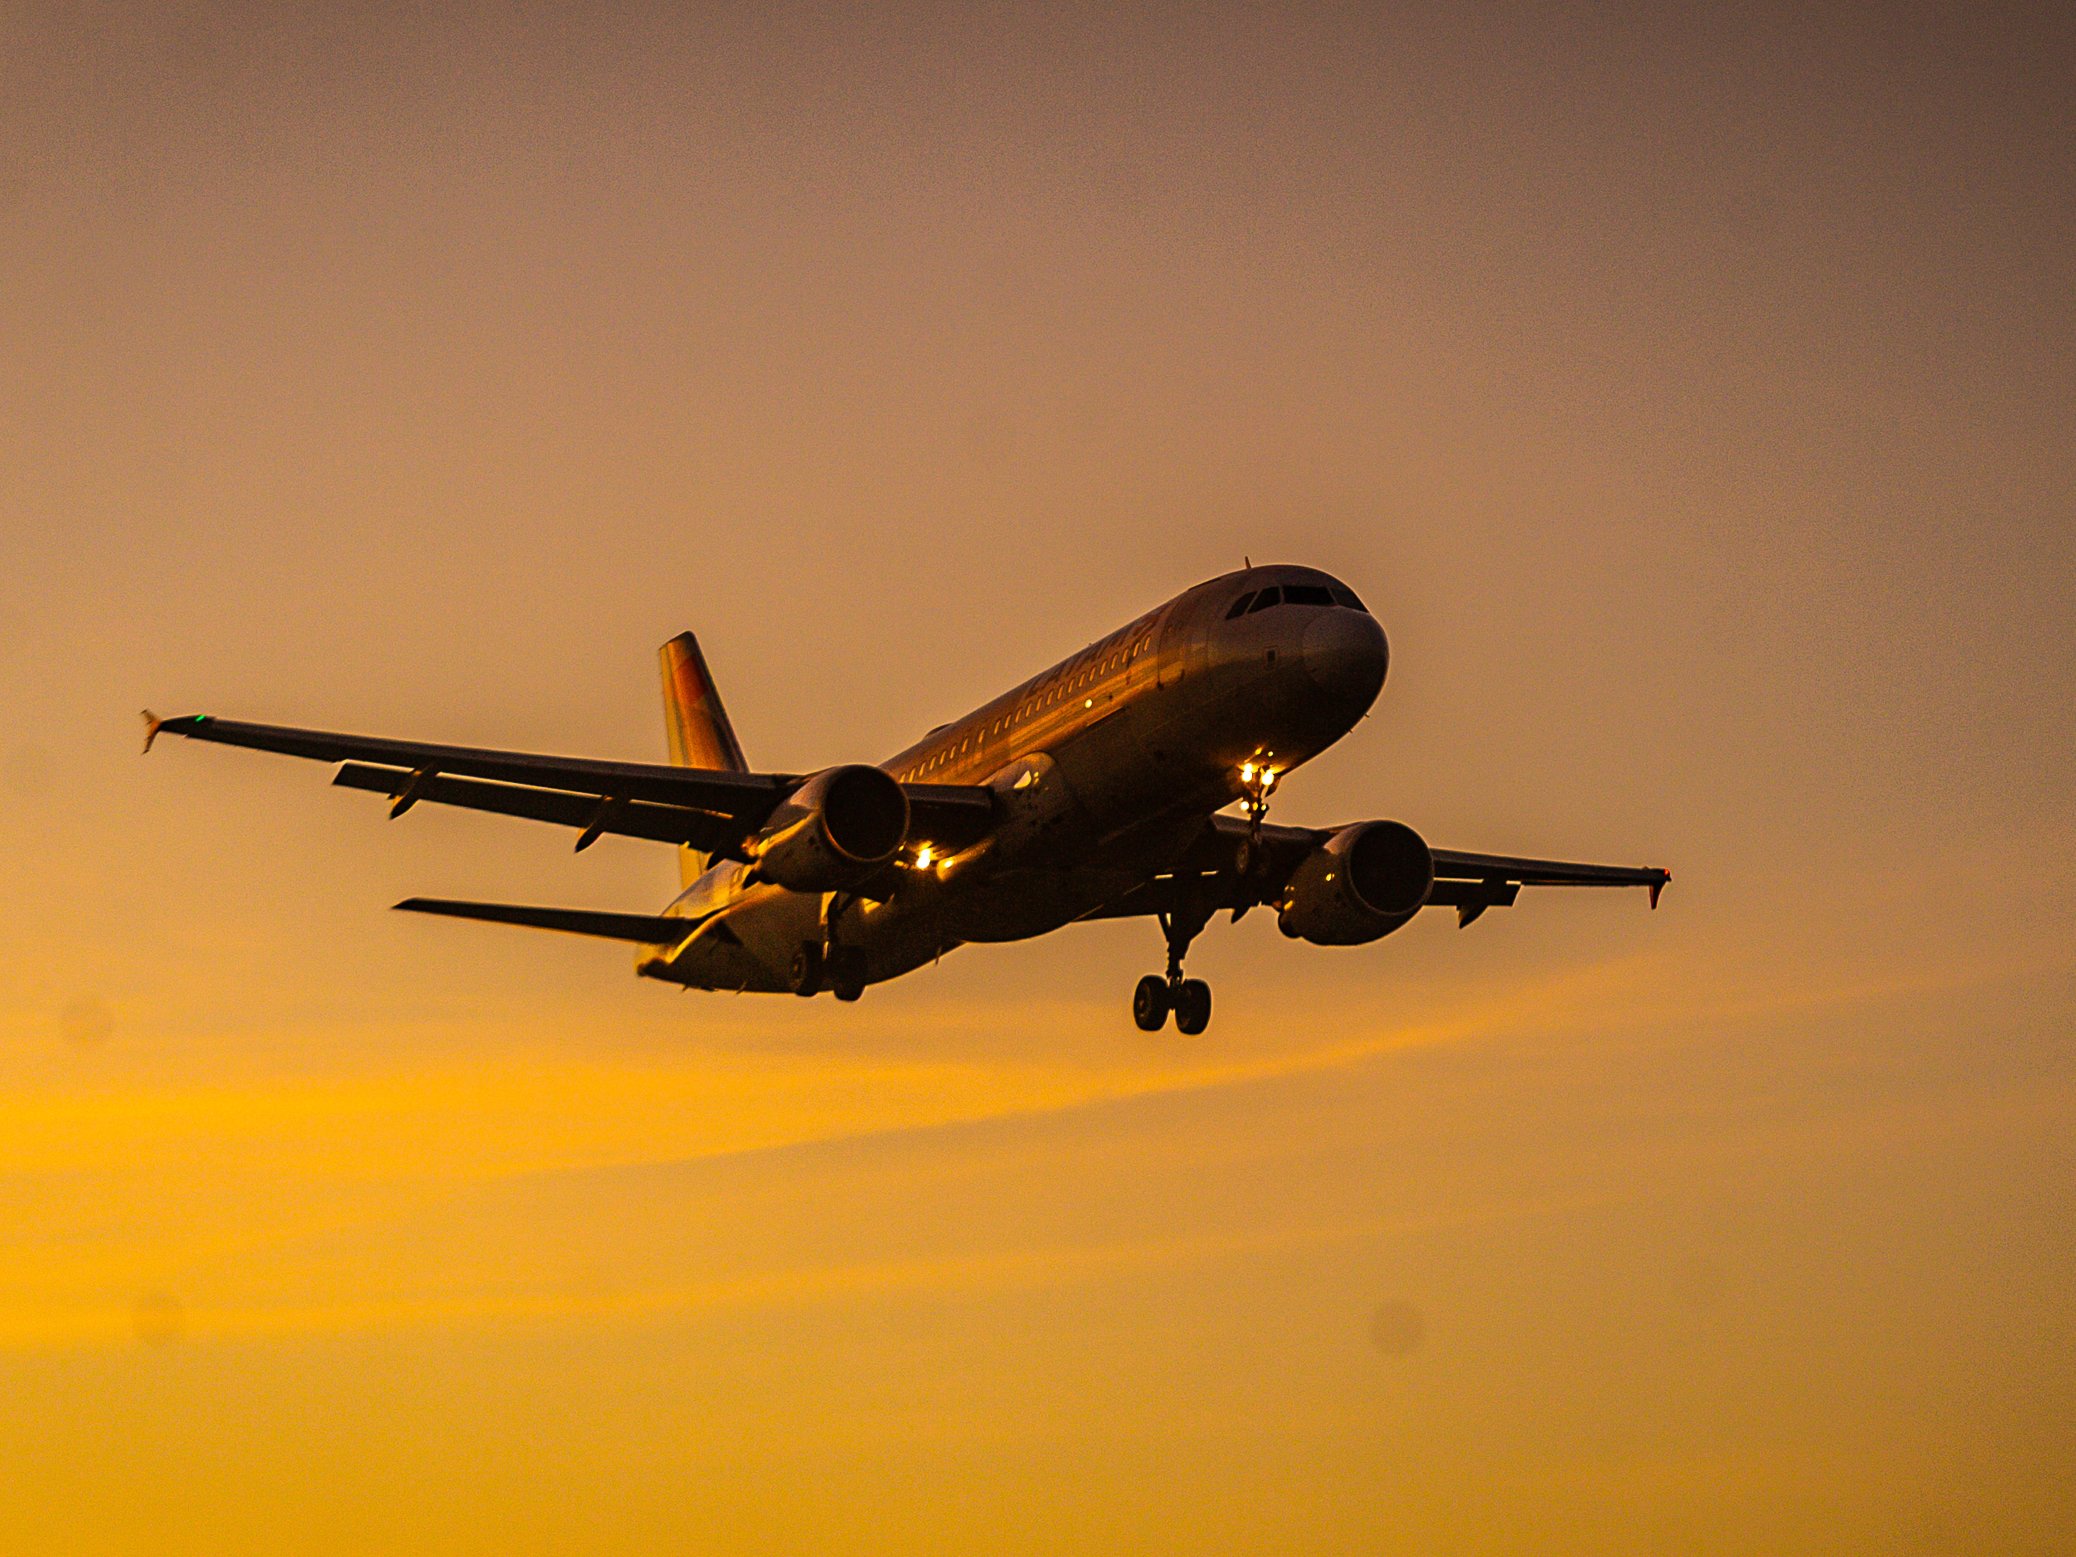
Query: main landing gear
826	963
839	969
1189	999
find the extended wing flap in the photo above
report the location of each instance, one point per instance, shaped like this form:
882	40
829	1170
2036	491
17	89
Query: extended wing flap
648	929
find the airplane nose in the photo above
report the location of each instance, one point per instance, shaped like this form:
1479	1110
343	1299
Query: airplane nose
1345	655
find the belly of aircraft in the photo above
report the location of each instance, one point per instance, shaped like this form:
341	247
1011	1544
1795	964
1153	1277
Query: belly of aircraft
751	945
1017	904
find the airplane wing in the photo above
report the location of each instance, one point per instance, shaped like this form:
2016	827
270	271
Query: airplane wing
1453	864
1472	883
1209	877
707	808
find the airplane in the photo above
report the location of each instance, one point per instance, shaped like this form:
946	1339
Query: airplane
1100	788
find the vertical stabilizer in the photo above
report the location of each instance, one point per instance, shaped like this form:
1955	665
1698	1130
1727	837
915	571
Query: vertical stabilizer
700	734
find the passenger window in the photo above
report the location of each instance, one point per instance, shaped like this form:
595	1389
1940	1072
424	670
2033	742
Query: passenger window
1306	594
1264	600
1240	605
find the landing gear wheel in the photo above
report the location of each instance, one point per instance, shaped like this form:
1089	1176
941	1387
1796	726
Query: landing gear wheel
847	974
1150	1003
806	976
1192	1001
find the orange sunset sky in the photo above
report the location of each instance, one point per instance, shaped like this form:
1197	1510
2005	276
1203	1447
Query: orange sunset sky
1688	390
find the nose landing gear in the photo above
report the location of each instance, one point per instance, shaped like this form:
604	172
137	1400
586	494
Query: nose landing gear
1257	783
1189	999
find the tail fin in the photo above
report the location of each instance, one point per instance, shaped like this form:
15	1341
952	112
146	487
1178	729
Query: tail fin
700	734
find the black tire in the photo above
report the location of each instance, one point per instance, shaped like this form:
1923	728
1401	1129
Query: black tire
1150	1003
806	978
846	973
1192	1006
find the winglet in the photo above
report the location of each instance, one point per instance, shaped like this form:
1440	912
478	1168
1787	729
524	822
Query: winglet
153	724
1664	878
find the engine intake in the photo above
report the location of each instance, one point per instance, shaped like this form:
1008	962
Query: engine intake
1361	884
832	832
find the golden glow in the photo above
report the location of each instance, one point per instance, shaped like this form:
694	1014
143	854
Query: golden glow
1738	1225
923	855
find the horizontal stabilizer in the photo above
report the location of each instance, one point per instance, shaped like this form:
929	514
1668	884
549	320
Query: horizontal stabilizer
648	929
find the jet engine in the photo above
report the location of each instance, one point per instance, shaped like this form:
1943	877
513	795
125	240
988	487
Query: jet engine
832	832
1362	883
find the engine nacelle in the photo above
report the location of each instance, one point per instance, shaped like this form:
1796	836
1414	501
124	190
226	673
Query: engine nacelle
1362	883
833	831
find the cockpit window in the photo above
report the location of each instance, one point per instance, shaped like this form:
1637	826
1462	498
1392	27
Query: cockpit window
1267	598
1240	605
1306	594
1344	596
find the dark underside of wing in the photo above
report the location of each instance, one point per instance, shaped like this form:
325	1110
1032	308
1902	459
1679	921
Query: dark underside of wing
706	808
1210	877
1455	865
700	828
